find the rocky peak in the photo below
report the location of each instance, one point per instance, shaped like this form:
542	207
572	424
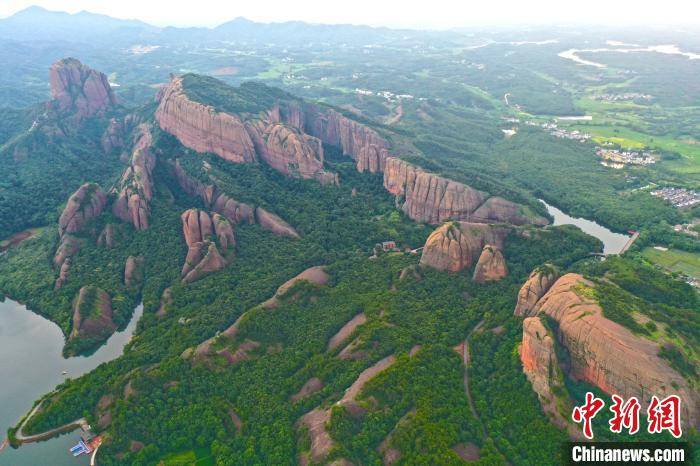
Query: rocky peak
491	265
606	354
80	89
92	314
537	284
456	245
84	204
210	242
201	128
135	189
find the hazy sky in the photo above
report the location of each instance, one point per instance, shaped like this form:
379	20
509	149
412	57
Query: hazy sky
437	14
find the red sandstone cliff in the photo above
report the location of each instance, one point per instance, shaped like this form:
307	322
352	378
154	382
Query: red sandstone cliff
92	314
491	265
537	284
201	128
430	198
136	186
210	241
606	354
83	205
457	245
79	89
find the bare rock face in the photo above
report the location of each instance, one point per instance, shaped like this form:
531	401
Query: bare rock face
236	212
430	198
79	89
606	354
136	186
540	364
166	300
210	241
457	245
92	314
537	284
290	151
68	247
316	275
496	209
272	222
63	274
133	271
107	236
85	204
201	128
359	142
491	265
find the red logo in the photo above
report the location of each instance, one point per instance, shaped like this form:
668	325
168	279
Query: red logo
625	415
664	415
587	412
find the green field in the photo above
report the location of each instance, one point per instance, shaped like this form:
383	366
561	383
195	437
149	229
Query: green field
198	457
674	260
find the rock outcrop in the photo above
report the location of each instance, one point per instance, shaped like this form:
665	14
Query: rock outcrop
210	241
272	222
316	275
430	198
457	245
537	284
78	89
491	265
289	135
133	271
136	186
541	366
359	142
107	237
290	151
92	314
242	138
602	352
236	212
201	128
85	204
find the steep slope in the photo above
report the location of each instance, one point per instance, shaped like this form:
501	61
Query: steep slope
251	123
603	352
458	245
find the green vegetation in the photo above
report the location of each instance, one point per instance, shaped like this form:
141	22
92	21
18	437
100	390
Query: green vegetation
674	260
249	97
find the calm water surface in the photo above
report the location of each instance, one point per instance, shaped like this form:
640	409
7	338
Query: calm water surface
612	242
31	365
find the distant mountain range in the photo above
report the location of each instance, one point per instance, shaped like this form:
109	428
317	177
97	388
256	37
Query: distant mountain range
38	24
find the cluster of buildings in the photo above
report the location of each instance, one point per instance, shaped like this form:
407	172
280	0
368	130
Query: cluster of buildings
390	96
679	197
553	129
617	158
623	97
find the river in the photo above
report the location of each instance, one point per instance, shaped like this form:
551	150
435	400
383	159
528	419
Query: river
31	366
612	242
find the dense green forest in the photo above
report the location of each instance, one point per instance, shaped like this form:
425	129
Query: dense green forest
441	100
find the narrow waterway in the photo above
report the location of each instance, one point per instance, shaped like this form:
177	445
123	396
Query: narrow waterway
32	365
612	242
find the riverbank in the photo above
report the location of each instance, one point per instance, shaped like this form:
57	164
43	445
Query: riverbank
32	366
